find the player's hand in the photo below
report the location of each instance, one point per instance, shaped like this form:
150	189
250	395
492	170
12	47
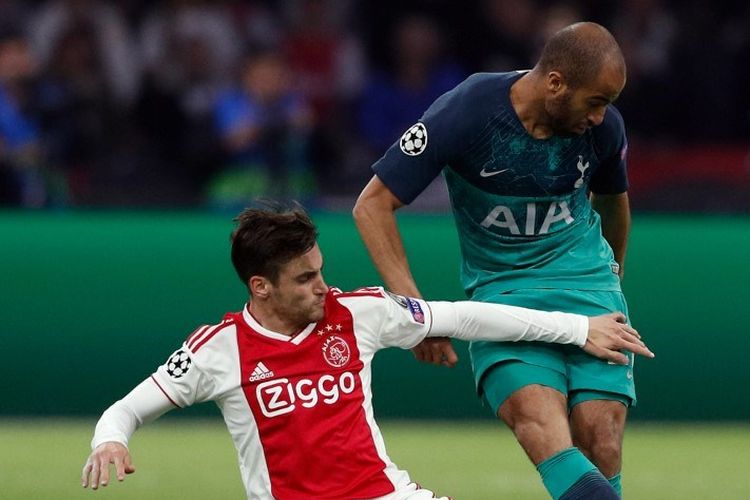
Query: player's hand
436	351
96	470
609	334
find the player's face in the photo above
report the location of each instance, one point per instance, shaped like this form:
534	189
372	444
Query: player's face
574	111
299	292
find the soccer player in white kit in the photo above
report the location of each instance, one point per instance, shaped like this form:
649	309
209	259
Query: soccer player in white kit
291	371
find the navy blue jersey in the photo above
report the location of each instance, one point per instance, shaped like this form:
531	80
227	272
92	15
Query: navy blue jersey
521	204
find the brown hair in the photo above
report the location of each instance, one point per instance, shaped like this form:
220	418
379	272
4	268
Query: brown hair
579	52
268	237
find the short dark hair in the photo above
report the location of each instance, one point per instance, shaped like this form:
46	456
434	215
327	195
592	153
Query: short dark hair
579	52
269	236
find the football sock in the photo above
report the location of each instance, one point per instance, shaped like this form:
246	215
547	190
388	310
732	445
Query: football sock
615	482
568	475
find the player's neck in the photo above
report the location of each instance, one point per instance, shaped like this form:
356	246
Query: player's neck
527	99
268	318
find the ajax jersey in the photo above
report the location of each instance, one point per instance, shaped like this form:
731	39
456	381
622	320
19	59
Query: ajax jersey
299	408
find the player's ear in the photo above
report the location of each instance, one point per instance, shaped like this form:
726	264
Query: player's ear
555	82
259	286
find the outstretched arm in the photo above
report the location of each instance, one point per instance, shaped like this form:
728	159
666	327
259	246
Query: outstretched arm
375	216
117	424
601	336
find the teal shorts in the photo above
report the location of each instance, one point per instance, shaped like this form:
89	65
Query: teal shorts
501	368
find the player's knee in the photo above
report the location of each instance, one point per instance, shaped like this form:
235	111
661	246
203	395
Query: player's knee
529	422
606	453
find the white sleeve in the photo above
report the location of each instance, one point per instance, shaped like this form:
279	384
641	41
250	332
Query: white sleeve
142	405
405	321
499	322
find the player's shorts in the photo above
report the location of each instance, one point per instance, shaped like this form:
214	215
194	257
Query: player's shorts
501	368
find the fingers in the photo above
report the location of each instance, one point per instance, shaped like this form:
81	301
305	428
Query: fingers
637	347
607	351
420	352
94	477
85	473
104	471
119	468
95	472
129	469
619	317
618	358
450	358
436	351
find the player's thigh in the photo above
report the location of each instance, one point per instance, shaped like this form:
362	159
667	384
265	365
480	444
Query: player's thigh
507	378
486	356
591	378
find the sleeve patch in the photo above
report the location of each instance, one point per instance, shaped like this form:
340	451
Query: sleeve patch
416	309
414	140
178	364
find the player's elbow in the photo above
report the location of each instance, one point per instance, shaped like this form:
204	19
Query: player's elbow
367	208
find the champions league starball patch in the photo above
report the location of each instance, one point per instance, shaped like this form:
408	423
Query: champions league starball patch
178	364
336	351
414	140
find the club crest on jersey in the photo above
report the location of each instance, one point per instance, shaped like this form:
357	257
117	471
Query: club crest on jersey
582	167
414	140
336	351
398	299
178	364
415	309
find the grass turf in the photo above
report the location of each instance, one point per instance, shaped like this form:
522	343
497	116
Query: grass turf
186	459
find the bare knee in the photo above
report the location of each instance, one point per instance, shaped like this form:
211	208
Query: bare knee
537	415
597	431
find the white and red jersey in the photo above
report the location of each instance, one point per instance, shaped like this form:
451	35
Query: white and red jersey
299	408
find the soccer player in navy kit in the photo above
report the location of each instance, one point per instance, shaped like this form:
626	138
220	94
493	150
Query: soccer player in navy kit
535	167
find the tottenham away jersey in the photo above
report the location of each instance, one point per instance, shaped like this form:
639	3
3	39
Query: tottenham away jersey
521	204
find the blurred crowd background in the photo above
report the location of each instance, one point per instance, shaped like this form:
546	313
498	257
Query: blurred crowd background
190	103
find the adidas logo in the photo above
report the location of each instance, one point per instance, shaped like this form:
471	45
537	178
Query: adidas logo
260	373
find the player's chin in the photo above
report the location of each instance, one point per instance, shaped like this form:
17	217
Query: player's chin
316	314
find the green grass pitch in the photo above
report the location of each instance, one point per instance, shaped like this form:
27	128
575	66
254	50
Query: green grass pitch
185	459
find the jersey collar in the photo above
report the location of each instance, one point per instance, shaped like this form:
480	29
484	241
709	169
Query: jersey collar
295	339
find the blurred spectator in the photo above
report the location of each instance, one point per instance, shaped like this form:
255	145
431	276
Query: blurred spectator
328	64
646	32
705	85
554	17
393	100
22	175
190	49
263	126
109	41
506	35
90	76
127	122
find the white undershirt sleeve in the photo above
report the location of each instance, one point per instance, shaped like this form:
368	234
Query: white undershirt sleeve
499	322
142	405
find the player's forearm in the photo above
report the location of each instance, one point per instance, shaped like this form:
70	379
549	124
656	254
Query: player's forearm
374	215
614	211
143	404
503	323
